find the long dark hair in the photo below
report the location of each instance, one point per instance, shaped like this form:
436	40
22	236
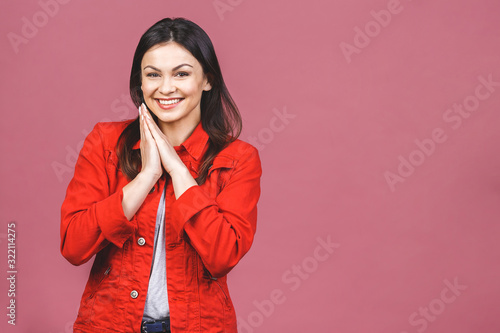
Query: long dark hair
220	117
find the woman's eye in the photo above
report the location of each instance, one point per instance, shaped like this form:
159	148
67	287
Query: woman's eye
182	74
152	75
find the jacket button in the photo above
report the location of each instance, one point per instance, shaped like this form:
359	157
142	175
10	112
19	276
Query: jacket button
134	294
141	241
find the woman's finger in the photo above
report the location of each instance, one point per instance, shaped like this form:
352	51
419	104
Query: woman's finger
148	144
169	157
141	127
146	137
155	130
147	129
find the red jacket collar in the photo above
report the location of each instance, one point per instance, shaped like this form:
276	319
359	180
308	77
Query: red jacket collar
194	144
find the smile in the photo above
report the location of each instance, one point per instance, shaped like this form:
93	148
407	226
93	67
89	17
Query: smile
169	101
167	104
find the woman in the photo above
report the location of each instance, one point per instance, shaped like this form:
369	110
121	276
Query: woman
166	202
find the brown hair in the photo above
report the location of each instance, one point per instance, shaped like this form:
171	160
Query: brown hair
220	117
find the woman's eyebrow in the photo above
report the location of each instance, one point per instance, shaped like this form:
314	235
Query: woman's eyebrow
173	69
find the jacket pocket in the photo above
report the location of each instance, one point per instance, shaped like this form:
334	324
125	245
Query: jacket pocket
101	296
219	171
221	162
86	310
226	297
217	287
104	276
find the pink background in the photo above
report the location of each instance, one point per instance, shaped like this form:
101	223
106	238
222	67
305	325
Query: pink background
352	119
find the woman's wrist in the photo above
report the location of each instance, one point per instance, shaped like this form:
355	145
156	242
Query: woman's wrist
179	172
136	191
181	181
148	177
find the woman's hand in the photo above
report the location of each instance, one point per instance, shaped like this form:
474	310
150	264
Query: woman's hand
167	154
136	191
150	156
181	177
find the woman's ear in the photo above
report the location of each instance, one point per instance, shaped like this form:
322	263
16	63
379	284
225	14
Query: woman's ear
208	83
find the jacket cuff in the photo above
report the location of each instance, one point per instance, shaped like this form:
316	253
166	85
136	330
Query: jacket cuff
112	220
190	203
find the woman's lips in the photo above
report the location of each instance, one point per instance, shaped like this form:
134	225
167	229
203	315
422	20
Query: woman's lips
170	103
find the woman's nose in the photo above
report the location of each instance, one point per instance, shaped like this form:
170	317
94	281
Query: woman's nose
167	86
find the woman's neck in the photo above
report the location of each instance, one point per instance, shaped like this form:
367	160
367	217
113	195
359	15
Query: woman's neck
178	132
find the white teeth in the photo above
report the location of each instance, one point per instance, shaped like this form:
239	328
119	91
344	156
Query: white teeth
170	101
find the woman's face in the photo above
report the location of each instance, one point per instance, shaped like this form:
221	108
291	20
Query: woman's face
172	84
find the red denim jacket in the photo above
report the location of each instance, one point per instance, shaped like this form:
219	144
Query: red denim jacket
209	228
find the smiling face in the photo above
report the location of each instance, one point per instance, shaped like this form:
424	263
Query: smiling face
172	84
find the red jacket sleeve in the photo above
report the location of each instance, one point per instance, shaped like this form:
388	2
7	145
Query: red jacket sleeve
221	230
91	216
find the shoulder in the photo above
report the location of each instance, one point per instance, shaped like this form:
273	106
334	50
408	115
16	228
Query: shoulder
109	132
239	153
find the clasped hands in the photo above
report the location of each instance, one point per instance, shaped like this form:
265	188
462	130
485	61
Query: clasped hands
156	150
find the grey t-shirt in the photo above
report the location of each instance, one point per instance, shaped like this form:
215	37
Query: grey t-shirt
157	298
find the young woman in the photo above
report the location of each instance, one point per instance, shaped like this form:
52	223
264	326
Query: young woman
166	202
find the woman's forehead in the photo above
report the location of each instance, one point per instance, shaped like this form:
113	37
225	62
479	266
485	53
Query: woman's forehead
168	55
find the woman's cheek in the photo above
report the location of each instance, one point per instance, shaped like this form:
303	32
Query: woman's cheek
147	89
190	87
